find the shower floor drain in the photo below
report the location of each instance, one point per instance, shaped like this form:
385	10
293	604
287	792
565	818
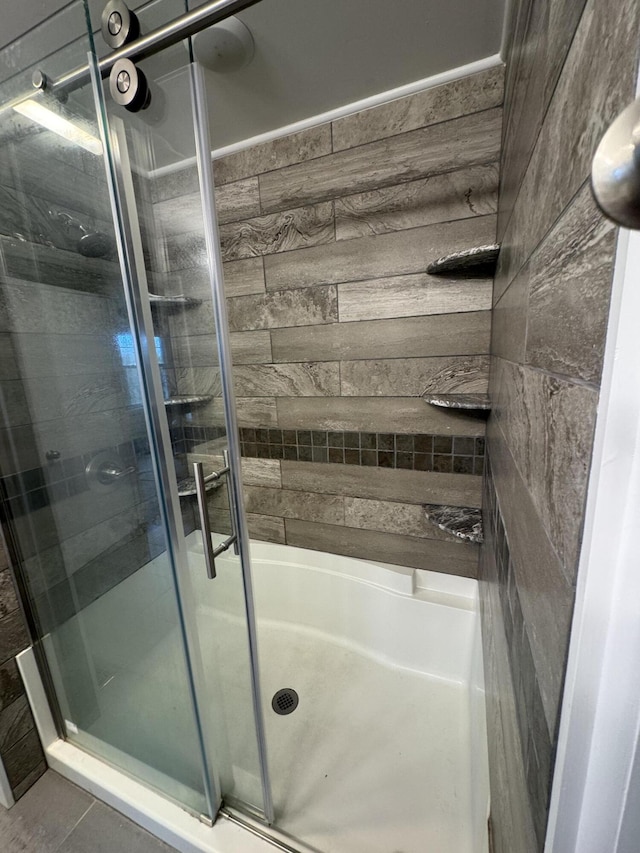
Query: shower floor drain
285	701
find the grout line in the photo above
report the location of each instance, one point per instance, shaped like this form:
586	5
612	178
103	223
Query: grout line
77	823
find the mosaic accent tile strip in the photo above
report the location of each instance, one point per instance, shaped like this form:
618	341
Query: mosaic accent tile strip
442	453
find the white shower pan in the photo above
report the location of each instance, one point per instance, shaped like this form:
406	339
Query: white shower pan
387	748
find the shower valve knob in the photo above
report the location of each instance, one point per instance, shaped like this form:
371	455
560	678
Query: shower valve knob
119	24
128	86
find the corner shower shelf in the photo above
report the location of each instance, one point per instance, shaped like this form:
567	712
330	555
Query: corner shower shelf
479	262
188	399
169	301
467	402
462	521
187	486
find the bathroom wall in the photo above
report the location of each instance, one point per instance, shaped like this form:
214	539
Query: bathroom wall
571	68
336	328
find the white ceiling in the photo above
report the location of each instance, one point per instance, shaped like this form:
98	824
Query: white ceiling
311	57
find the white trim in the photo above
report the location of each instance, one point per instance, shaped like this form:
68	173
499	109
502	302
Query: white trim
6	794
598	738
340	112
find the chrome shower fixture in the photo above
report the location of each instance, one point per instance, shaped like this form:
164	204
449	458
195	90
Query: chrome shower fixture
227	46
119	24
615	172
92	244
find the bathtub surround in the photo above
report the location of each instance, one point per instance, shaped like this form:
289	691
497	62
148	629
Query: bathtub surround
570	71
337	329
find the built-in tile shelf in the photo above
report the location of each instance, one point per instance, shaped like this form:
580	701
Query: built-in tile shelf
187	486
478	262
173	301
462	521
188	399
468	402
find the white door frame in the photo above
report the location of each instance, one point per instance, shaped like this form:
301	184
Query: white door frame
597	774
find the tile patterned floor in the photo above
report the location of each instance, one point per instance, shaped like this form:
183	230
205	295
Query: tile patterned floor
55	816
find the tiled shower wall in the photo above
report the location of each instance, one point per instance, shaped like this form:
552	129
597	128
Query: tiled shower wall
571	68
336	328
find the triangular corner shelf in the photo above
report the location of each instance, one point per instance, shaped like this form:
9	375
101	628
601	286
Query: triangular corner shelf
464	402
464	522
479	262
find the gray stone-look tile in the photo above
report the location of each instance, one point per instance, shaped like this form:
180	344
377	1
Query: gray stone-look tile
103	830
509	319
267	528
276	154
10	683
391	517
546	594
411	296
44	816
278	232
461	522
442	334
33	262
250	347
467	141
183	213
468	95
294	504
8	597
414	487
311	379
378	256
441	198
569	291
244	277
404	377
256	412
46	308
15	721
549	423
561	161
511	818
373	414
285	308
449	557
13	635
22	758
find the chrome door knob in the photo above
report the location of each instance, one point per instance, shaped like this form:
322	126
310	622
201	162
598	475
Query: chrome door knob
615	172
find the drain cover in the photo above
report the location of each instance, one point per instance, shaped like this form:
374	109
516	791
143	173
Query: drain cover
285	701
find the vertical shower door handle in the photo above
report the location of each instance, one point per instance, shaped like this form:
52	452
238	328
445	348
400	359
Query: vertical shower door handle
210	553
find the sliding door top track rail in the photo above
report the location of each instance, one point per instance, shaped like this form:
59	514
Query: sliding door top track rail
154	42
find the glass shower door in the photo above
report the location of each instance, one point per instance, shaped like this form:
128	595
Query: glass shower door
171	251
81	499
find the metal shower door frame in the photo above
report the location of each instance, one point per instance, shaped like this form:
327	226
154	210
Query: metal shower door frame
131	258
216	278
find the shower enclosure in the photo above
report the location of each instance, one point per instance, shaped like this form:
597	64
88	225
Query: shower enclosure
113	447
131	548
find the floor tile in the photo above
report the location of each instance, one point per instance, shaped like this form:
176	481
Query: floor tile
44	816
104	830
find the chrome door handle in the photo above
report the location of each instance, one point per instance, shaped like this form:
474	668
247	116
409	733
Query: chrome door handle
210	553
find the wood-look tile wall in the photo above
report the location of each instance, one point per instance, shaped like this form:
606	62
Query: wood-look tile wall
20	750
335	325
570	69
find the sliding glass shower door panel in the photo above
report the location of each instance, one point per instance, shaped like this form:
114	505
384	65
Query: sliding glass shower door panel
174	245
81	505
